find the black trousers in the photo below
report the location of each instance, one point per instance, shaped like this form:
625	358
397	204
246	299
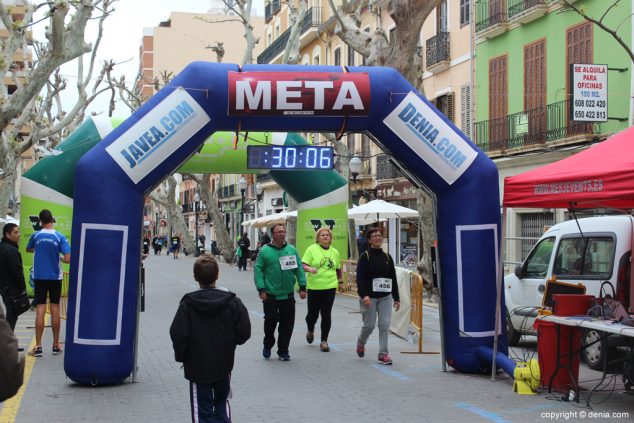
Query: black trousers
242	261
11	317
280	312
320	301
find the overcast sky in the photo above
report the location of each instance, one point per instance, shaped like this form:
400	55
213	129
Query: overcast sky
123	31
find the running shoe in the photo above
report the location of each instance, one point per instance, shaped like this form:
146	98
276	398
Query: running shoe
384	358
284	357
324	346
37	351
310	337
266	352
360	350
57	350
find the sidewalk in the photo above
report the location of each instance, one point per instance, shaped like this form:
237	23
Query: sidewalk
313	387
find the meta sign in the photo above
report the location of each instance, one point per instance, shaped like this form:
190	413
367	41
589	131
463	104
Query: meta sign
589	92
303	93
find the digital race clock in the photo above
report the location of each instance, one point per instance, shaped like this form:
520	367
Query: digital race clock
290	157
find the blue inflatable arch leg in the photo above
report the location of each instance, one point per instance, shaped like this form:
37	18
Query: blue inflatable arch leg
112	179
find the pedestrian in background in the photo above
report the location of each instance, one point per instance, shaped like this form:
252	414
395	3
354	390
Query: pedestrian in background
12	285
276	271
243	244
176	246
206	329
323	264
362	243
48	245
378	288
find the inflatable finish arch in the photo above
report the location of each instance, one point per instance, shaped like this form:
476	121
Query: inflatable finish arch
112	179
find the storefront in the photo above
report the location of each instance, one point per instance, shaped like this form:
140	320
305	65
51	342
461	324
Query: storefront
406	241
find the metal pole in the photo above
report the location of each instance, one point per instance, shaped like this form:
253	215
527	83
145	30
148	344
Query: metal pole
241	212
196	206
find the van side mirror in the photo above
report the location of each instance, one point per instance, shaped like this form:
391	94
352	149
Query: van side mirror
518	271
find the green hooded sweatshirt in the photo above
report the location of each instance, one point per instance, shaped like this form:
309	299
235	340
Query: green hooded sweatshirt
269	276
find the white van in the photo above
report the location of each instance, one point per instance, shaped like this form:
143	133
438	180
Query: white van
587	251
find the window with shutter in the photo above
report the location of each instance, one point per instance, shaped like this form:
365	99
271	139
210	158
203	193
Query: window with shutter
578	50
337	59
465	110
498	101
465	12
445	104
350	56
535	90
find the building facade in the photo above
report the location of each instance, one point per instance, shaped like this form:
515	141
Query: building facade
445	48
164	51
523	91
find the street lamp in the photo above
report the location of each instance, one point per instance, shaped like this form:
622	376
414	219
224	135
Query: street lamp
196	209
243	188
259	190
355	167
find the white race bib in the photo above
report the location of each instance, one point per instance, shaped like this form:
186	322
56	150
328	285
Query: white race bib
382	285
288	262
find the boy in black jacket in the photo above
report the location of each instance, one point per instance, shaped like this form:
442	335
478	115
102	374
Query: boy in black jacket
207	327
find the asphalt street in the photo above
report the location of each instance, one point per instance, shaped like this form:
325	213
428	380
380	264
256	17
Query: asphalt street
314	386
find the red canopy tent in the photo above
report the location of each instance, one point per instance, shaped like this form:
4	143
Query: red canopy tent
601	176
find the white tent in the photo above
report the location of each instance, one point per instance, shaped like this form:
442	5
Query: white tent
264	221
375	210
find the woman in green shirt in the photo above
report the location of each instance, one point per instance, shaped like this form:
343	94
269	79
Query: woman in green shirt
322	265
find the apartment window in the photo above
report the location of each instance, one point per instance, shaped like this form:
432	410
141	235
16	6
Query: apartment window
441	17
445	104
535	88
465	110
350	56
337	59
498	100
464	13
578	50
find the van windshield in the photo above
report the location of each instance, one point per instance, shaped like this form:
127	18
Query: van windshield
588	257
537	261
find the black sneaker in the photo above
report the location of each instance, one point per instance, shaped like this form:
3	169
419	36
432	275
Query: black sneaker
310	337
57	350
284	357
266	352
37	351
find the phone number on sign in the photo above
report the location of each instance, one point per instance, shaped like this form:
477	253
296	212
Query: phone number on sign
575	415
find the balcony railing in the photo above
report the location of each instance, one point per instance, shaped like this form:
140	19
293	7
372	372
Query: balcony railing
385	169
312	18
488	16
531	127
271	9
519	6
437	49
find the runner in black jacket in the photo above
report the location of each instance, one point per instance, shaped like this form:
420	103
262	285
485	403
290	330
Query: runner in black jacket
208	326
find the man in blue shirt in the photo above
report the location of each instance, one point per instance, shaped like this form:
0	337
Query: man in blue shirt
48	245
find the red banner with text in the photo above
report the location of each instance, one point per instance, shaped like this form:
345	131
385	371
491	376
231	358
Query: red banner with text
299	93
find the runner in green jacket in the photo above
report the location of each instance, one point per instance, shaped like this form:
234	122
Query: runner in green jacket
277	268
